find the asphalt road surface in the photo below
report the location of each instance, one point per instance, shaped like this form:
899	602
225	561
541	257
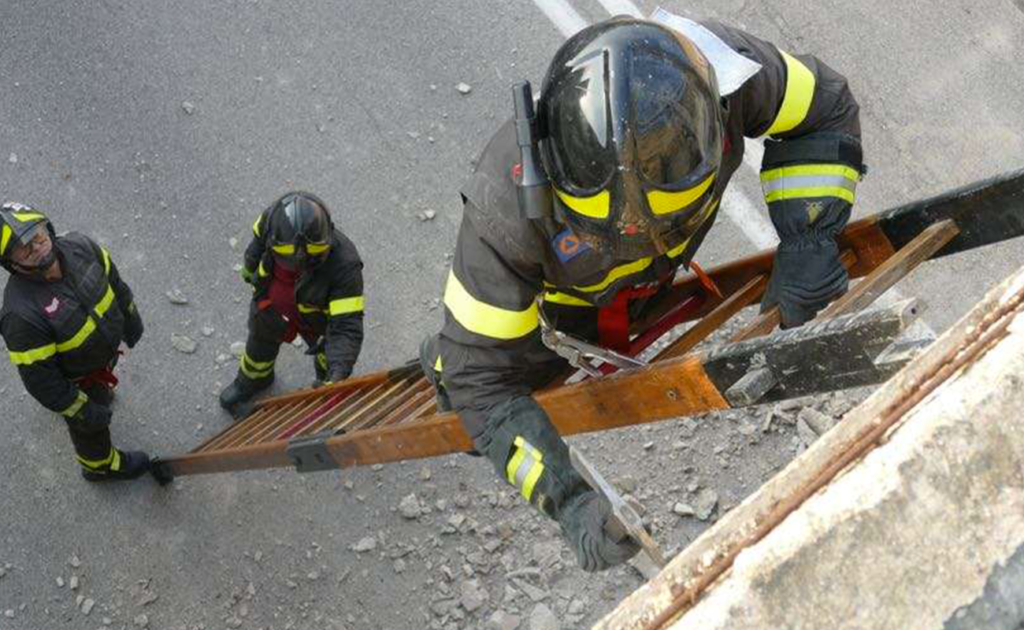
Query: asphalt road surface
162	128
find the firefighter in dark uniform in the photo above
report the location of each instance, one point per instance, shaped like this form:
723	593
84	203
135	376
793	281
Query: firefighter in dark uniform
307	280
640	126
66	311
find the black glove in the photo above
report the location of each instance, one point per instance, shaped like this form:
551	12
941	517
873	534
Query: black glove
132	327
806	276
93	417
582	521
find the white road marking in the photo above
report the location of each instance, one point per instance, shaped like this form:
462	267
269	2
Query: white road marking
564	17
619	7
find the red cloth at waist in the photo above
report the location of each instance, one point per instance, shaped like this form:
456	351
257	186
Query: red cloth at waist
281	296
613	320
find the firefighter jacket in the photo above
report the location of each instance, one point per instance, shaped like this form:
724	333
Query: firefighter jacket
329	297
60	331
490	344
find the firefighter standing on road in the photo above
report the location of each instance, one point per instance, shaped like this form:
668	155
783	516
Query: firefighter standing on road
66	311
307	280
640	126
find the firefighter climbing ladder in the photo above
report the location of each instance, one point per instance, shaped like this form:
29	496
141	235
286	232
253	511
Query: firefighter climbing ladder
391	416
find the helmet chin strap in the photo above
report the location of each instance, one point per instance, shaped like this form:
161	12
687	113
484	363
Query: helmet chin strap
39	269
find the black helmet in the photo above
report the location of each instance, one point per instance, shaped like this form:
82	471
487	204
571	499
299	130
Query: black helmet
19	224
300	229
633	127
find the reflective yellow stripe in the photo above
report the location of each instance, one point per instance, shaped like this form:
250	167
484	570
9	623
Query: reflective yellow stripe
90	324
437	364
256	225
344	306
309	308
556	297
595	207
5	236
255	369
804	170
24	216
321	359
261	270
482	318
815	191
106	259
109	460
80	336
679	249
28	357
314	249
287	249
525	467
618	272
666	202
73	409
259	365
799	93
810	180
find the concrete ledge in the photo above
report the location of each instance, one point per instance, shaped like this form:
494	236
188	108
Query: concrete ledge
926	531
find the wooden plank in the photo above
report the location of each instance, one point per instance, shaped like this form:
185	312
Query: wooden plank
893	270
666	389
714	320
424	395
355	382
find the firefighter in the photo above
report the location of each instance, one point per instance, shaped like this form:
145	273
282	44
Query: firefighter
66	311
592	206
307	280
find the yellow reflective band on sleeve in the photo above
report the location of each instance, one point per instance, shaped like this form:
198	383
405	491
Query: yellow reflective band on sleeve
556	297
314	249
667	202
28	357
261	270
344	306
810	180
109	461
72	410
106	259
286	249
797	100
524	468
256	226
484	319
437	365
5	237
596	207
618	272
305	309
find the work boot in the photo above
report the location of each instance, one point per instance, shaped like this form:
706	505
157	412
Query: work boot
234	397
428	360
129	465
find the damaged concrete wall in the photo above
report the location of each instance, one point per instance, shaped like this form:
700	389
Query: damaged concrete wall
924	530
927	531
